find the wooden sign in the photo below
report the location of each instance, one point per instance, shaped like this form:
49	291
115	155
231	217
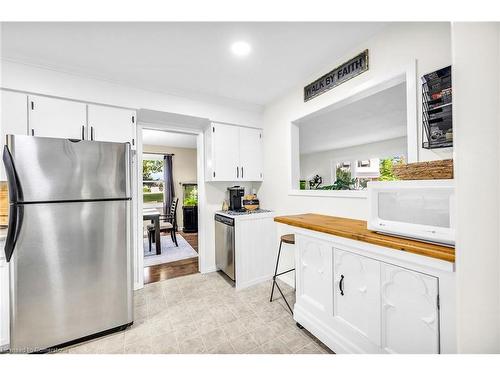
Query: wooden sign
337	76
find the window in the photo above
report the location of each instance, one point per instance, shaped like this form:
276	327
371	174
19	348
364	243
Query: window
355	175
152	180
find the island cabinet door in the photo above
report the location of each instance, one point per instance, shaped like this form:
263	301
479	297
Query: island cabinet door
410	311
357	294
314	276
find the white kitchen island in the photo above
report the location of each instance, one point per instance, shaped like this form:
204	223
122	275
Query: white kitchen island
364	292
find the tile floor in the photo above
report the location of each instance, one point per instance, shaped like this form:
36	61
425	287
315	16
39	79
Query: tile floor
205	314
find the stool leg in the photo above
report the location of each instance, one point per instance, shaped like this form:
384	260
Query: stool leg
275	272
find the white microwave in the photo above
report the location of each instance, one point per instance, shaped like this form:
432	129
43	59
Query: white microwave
419	209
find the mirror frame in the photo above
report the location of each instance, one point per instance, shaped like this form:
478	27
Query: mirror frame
409	75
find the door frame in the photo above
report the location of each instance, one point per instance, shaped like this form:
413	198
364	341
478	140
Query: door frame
202	204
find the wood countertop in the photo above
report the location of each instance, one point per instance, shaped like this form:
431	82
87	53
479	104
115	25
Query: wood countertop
357	230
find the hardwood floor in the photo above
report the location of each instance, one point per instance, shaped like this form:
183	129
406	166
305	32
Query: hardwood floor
191	238
178	268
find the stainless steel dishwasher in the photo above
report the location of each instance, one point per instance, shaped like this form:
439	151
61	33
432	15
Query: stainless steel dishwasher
224	245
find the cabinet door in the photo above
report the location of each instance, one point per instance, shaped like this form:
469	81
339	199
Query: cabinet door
250	154
109	124
225	152
410	316
14	119
4	303
314	276
56	118
357	293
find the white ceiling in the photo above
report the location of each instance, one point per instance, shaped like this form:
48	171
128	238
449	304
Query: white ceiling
170	139
191	59
375	118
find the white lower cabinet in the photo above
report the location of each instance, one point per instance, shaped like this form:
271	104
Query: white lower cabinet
357	293
314	276
410	314
365	304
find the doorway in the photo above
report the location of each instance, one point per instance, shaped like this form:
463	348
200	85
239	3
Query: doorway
169	182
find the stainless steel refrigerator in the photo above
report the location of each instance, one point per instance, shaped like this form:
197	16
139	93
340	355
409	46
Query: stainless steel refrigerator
69	241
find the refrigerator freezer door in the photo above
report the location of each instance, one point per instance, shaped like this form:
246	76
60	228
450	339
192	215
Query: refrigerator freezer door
70	273
53	169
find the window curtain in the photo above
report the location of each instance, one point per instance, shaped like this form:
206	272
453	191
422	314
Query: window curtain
168	185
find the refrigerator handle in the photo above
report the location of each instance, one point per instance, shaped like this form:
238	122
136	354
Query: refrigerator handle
15	190
16	213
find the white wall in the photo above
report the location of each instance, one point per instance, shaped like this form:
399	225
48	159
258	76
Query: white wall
476	118
390	51
321	162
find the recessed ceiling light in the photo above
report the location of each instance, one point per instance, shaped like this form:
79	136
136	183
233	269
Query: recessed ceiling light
241	48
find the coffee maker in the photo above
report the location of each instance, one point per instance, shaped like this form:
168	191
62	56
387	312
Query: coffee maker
236	193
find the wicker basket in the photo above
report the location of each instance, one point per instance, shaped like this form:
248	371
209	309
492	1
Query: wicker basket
427	170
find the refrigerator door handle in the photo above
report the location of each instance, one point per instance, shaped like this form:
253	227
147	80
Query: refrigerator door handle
16	213
15	210
15	190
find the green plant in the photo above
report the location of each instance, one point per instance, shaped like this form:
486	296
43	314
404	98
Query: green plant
387	168
146	189
343	182
149	167
191	198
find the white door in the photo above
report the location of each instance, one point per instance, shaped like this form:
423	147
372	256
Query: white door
56	118
14	108
410	314
314	276
357	293
225	149
251	154
111	124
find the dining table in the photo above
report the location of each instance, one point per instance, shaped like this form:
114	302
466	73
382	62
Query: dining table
154	216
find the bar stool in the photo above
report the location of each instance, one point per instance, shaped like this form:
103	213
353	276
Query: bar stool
288	239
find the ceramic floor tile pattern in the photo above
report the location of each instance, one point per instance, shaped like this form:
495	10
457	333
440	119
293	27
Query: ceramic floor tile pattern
205	314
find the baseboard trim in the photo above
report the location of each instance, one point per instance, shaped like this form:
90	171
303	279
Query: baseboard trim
330	338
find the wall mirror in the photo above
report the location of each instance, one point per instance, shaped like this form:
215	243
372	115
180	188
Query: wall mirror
338	149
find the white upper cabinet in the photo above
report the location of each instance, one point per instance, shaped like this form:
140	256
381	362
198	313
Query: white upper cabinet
251	154
57	118
110	124
14	109
410	313
357	293
233	153
224	152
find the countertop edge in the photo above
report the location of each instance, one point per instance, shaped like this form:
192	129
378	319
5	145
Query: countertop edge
391	242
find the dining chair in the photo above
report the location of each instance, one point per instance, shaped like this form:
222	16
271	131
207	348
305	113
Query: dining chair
168	223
